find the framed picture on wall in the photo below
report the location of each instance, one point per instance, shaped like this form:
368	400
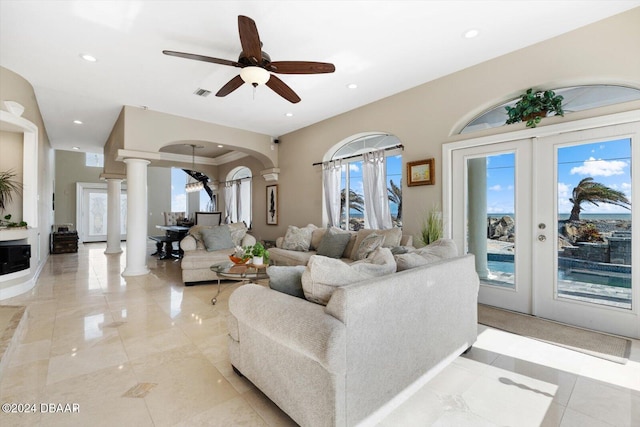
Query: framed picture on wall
272	204
421	172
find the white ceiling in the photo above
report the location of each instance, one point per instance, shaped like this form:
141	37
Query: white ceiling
384	47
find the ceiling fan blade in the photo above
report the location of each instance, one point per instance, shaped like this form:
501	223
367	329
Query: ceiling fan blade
279	87
231	85
201	58
301	67
249	39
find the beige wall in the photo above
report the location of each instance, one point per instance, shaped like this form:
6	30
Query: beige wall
70	169
425	117
115	141
15	88
158	197
149	131
12	147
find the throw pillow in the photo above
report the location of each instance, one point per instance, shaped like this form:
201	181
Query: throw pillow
298	239
316	237
286	279
217	238
333	243
238	230
392	238
368	245
323	275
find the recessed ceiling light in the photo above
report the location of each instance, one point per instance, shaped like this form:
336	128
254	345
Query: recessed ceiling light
352	86
220	145
78	122
87	57
289	114
469	34
75	148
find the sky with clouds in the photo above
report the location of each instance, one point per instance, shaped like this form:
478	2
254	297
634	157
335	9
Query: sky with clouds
608	163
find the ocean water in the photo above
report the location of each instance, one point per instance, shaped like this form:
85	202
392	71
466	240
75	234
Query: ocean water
584	216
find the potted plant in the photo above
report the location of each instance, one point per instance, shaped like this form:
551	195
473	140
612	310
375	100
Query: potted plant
8	186
533	106
258	252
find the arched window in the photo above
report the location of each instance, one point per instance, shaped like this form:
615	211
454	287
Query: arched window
237	196
352	196
576	98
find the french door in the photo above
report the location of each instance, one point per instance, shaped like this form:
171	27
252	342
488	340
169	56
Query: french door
511	205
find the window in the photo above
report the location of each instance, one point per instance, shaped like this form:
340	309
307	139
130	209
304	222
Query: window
237	196
352	207
95	160
576	98
178	193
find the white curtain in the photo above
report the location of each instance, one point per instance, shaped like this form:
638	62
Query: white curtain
376	200
230	202
331	172
244	201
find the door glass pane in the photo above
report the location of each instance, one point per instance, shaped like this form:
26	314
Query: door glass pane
491	227
97	214
594	223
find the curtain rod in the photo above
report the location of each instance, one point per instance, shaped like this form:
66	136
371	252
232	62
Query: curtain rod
358	155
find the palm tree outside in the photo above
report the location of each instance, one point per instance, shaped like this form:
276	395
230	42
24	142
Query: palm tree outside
395	196
595	193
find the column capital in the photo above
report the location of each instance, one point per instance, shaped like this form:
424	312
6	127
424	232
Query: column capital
270	175
132	160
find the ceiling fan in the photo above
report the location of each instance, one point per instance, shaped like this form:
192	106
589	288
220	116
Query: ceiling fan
256	65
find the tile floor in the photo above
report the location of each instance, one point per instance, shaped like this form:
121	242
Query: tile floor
146	350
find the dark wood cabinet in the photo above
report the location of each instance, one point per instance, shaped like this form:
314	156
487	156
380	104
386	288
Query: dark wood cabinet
64	242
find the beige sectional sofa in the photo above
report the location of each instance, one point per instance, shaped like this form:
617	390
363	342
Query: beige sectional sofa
197	260
374	343
281	256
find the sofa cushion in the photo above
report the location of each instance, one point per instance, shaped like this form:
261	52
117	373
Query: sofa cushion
201	259
217	238
298	239
286	257
324	275
286	279
334	242
436	251
368	245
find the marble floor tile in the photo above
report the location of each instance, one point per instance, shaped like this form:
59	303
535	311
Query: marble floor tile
93	338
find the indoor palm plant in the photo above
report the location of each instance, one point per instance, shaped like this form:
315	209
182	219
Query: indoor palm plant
533	106
8	186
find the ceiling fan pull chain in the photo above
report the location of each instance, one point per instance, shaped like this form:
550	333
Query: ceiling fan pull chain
254	93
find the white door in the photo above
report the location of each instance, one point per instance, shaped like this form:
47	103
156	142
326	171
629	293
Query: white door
491	194
92	223
586	268
579	272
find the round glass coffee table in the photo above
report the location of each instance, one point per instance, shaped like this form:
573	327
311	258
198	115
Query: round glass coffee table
244	273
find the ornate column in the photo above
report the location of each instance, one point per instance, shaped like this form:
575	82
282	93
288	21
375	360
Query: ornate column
136	217
477	185
114	186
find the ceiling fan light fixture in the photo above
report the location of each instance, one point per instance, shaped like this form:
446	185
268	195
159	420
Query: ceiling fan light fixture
254	75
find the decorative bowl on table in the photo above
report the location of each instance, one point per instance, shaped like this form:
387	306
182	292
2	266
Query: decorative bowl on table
238	261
